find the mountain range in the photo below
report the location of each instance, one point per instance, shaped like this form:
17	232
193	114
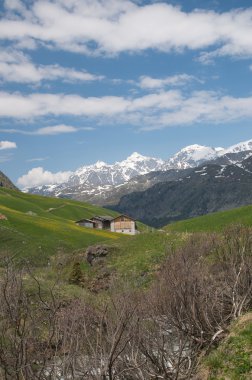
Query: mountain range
210	187
105	184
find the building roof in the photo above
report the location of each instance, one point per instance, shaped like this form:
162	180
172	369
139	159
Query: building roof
84	220
126	216
103	218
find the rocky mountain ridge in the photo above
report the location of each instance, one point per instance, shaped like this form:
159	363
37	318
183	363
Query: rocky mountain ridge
207	188
103	183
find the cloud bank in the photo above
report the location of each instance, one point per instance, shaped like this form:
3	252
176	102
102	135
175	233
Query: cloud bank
155	110
115	26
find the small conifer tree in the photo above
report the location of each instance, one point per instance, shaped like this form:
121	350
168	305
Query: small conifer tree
76	274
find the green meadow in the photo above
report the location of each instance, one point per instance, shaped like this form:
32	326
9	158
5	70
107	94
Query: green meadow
42	231
214	222
232	359
38	227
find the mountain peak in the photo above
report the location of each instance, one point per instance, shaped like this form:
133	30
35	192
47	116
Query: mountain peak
191	156
197	151
193	147
100	164
136	156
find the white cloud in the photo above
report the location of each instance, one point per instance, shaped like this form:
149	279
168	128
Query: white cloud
16	105
7	145
155	110
114	26
38	177
17	67
204	107
55	130
147	82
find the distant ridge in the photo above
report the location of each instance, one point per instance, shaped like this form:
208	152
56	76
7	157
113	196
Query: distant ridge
208	188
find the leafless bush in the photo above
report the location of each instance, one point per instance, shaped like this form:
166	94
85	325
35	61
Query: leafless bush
160	333
234	263
27	328
202	287
97	340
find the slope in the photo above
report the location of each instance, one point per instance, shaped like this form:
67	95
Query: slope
42	231
37	227
216	221
232	359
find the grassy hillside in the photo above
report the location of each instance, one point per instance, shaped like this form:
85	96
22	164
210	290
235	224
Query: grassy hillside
37	227
40	228
233	358
214	222
137	258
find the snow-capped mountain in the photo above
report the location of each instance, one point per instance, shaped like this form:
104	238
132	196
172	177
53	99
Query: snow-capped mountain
93	180
102	174
208	188
191	156
95	183
241	147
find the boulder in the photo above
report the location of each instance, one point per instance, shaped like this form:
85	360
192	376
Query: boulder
95	252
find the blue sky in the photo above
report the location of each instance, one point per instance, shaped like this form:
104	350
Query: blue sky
86	80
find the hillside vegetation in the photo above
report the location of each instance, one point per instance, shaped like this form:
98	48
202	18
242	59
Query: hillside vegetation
200	284
233	358
162	331
214	222
42	230
37	227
